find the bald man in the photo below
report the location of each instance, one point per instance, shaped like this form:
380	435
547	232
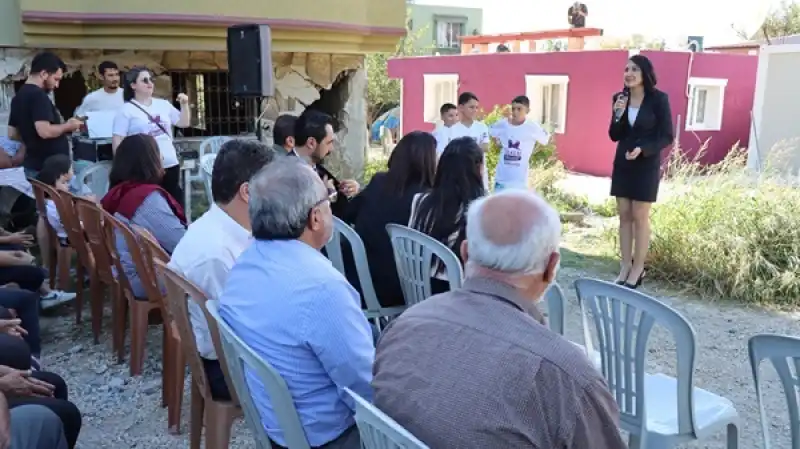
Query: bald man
477	367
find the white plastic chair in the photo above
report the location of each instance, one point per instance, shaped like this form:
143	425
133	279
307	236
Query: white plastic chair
784	353
556	304
658	411
414	254
208	146
238	356
94	178
206	169
378	430
342	230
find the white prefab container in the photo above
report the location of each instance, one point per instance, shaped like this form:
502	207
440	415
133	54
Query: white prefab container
775	129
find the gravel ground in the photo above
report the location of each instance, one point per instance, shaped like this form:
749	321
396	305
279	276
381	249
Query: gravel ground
121	412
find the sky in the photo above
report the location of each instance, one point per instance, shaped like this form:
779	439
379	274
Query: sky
672	20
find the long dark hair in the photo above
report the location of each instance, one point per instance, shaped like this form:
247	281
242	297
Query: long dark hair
649	79
458	182
130	77
413	162
137	159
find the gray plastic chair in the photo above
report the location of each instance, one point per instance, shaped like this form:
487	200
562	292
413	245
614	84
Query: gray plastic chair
334	250
94	178
658	411
556	304
206	168
414	254
378	430
238	356
207	146
784	353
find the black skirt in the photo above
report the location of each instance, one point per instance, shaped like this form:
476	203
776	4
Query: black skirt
634	180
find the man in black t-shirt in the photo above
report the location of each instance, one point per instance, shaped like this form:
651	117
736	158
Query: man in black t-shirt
34	119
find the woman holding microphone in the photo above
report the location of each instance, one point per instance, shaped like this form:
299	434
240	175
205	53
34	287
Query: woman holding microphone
642	126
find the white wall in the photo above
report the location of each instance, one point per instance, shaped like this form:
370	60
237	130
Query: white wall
775	134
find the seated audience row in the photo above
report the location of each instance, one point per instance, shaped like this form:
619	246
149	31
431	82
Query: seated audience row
467	368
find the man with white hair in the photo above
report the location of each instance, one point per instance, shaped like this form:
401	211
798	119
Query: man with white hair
477	367
286	301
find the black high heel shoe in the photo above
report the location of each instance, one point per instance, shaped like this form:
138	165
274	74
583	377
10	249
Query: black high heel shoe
638	282
623	281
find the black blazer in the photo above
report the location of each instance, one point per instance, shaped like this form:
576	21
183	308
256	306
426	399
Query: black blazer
338	207
652	131
369	212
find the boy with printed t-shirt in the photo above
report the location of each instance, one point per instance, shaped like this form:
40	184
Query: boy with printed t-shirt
443	133
469	127
517	136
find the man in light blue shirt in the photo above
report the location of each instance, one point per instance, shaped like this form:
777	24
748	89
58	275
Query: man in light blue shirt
285	300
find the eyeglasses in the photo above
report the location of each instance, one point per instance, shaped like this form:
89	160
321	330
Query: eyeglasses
146	81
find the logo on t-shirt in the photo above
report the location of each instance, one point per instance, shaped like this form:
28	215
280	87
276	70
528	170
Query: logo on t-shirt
512	153
157	129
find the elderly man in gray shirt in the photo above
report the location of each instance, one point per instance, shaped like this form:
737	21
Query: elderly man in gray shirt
477	367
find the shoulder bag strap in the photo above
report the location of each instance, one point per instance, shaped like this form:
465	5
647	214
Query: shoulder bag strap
152	120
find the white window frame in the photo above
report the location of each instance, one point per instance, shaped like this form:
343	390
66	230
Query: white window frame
431	101
534	85
456	43
714	103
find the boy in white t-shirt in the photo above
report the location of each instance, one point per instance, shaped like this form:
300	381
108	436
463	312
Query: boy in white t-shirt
443	133
517	136
469	127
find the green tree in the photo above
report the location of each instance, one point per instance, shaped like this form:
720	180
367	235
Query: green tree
782	21
382	91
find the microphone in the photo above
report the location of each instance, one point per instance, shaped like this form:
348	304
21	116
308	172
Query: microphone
619	112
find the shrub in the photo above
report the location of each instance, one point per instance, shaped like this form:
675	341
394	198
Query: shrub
722	230
373	166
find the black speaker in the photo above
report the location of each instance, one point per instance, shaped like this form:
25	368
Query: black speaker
250	61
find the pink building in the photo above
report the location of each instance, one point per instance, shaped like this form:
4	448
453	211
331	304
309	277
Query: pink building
711	95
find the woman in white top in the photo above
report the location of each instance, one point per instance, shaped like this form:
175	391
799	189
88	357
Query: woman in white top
441	213
144	114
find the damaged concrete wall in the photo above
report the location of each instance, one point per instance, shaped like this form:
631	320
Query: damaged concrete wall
299	78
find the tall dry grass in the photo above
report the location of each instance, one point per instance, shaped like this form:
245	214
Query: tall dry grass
728	231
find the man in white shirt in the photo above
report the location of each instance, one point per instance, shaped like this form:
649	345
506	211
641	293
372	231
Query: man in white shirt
517	136
469	127
105	101
213	242
443	133
109	98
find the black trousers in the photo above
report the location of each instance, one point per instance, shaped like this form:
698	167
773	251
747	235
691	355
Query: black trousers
23	214
172	183
439	286
28	277
216	380
14	353
27	306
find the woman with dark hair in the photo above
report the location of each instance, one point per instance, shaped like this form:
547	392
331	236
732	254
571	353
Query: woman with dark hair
136	197
441	213
642	126
144	114
387	199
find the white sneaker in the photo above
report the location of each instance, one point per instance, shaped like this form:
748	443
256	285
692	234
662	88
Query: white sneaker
55	298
